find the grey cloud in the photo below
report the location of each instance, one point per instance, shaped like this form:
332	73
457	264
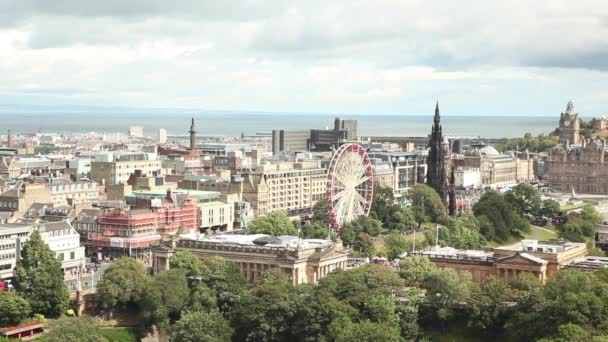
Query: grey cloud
594	60
17	11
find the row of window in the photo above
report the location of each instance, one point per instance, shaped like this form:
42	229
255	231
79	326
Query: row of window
61	256
8	246
8	204
8	256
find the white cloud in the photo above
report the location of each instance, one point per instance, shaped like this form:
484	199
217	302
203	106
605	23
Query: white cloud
348	56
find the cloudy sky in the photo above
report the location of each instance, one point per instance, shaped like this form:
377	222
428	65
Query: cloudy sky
516	57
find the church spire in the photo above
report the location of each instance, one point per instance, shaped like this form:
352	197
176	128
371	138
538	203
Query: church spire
436	176
437	117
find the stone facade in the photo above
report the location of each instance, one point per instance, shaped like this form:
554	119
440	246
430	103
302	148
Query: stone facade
499	170
583	168
288	186
305	261
436	176
541	258
569	126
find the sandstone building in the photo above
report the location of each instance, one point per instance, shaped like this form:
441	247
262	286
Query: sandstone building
305	261
541	258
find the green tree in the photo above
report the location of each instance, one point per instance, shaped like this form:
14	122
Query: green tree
39	279
367	331
588	213
320	213
570	297
401	219
550	207
13	309
462	232
524	199
396	244
316	311
274	223
580	226
201	298
363	224
266	312
382	202
568	333
529	143
446	290
80	329
355	287
315	230
123	283
488	306
164	297
188	262
497	219
224	278
364	245
415	270
197	326
426	204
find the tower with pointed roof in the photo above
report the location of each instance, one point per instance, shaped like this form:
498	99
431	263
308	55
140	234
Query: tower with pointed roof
569	126
192	132
436	176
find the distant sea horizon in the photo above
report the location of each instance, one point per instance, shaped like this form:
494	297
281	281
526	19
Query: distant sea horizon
227	124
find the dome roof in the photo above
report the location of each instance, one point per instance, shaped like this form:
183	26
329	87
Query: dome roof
265	240
489	151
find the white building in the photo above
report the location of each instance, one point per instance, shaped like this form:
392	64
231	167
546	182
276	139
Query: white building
116	167
136	131
162	136
467	178
74	192
61	237
81	166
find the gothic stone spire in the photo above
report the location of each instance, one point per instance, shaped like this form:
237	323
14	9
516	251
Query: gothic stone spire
436	176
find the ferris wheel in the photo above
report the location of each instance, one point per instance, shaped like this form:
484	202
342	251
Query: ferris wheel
350	185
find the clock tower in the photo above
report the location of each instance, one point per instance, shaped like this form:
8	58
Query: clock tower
569	126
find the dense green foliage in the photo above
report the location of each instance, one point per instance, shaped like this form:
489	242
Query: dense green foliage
415	270
165	297
363	224
462	232
364	245
39	279
497	219
200	326
580	226
524	199
530	143
274	223
13	309
74	329
218	284
396	244
314	230
549	207
426	206
369	303
122	284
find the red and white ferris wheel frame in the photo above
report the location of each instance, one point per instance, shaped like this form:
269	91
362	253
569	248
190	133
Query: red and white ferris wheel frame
367	192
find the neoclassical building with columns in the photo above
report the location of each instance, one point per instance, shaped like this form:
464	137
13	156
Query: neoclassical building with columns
304	260
541	258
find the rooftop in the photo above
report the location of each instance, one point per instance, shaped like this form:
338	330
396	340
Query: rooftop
261	240
541	246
